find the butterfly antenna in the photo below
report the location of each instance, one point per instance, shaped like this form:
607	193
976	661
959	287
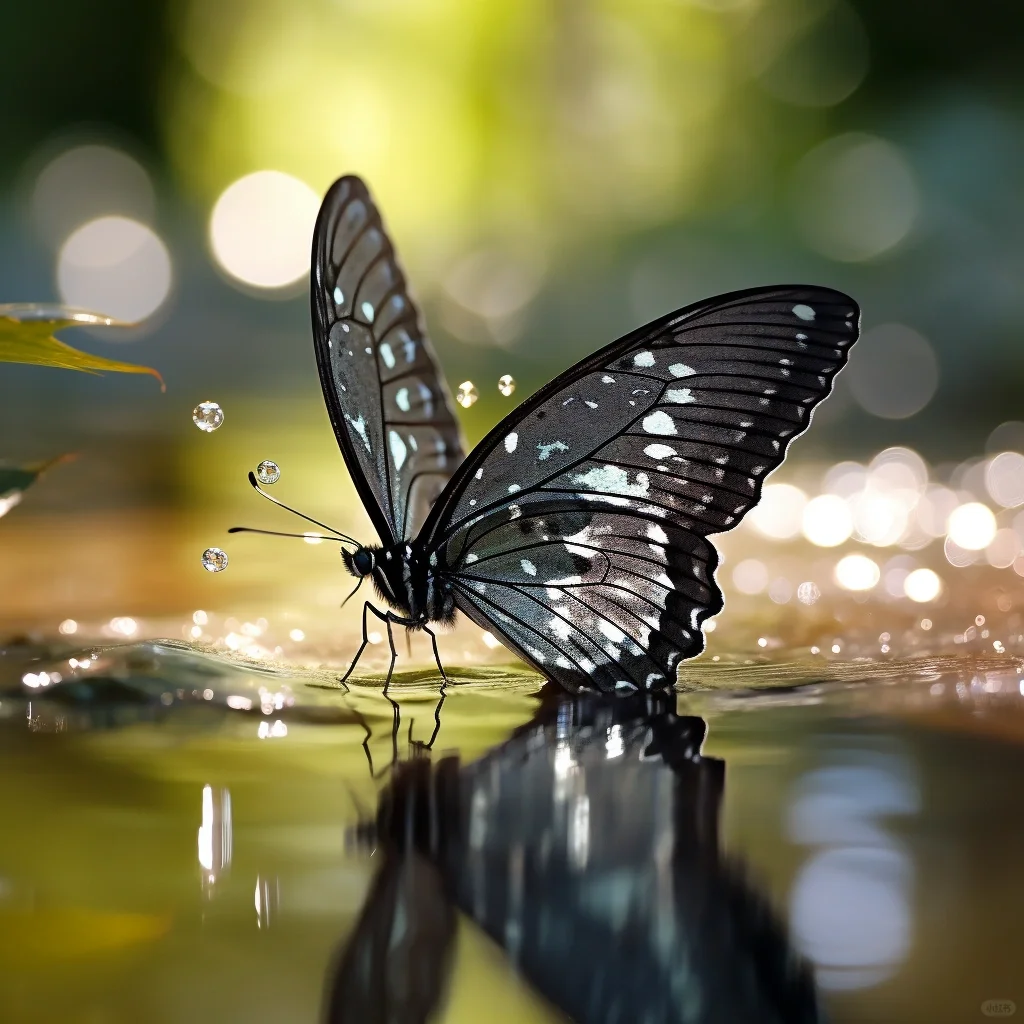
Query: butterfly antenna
278	533
353	594
309	519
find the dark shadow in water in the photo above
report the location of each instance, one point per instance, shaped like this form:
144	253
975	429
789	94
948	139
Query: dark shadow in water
587	847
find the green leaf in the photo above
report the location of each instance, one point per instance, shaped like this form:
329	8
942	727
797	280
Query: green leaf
26	336
15	480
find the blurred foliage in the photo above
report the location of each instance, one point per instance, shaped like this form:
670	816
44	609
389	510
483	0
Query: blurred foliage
15	480
27	336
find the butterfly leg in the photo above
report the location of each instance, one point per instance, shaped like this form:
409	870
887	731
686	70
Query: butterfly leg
387	618
437	657
362	647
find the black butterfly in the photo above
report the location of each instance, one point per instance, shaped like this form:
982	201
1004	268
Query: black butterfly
576	531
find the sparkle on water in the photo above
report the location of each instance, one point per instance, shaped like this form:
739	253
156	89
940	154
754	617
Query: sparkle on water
215	559
467	394
506	384
268	472
208	416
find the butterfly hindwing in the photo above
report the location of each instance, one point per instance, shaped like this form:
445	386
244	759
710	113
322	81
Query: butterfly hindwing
388	403
577	528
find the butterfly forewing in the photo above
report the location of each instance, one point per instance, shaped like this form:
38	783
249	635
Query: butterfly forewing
388	403
577	526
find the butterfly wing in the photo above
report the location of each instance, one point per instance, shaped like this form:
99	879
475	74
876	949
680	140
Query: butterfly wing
577	530
388	404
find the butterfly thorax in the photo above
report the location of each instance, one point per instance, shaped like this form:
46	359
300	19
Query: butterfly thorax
404	578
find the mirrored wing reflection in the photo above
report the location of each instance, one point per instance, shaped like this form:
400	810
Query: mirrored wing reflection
587	847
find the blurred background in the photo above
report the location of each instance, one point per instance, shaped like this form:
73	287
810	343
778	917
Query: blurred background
554	174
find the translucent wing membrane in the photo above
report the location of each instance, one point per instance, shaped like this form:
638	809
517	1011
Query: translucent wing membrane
577	526
388	403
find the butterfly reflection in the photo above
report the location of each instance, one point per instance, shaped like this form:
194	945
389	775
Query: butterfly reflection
586	846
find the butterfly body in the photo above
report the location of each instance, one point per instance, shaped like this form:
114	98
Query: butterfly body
404	579
577	531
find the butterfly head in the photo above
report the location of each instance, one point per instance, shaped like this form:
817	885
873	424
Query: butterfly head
360	562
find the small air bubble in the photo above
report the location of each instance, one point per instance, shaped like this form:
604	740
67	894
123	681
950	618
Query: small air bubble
208	416
268	472
467	394
215	560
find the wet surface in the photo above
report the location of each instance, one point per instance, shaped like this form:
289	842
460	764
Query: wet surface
191	835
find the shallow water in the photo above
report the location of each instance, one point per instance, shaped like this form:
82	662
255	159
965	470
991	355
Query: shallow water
194	837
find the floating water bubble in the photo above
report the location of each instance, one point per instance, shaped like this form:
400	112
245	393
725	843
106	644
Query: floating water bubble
506	384
208	416
215	560
467	394
268	472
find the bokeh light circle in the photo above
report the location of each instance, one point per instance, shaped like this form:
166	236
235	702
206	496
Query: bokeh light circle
893	372
779	514
1004	479
857	572
827	521
750	576
922	585
84	183
116	266
261	229
971	526
854	197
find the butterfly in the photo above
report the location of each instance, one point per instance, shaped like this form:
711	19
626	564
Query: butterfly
577	531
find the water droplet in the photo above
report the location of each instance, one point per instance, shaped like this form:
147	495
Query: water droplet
268	472
215	560
506	384
467	394
208	416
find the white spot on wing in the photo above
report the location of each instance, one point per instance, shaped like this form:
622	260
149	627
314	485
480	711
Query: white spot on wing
613	479
680	396
643	359
398	449
546	449
659	451
607	380
657	534
681	370
339	296
804	312
659	423
359	426
513	488
511	440
402	399
387	355
528	567
367	309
